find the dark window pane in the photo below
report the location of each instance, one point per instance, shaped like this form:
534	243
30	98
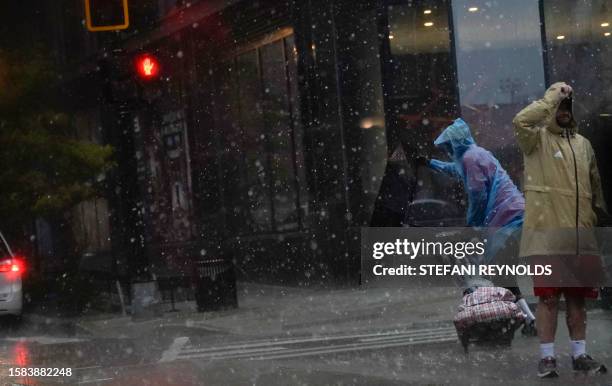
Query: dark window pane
278	119
421	88
254	142
579	47
298	134
232	169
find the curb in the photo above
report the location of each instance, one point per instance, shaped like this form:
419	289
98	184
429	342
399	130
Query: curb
68	326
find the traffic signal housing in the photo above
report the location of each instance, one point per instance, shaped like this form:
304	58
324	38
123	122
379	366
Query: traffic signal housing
107	15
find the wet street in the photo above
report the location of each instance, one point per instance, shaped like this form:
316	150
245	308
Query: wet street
192	355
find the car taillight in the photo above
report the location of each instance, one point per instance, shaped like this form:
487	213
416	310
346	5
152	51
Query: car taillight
11	265
6	265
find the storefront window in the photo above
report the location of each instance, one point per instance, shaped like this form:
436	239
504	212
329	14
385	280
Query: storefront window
500	69
421	88
579	47
254	140
291	57
225	109
420	64
362	104
278	118
257	100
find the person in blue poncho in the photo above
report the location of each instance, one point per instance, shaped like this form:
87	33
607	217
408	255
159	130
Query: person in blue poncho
493	199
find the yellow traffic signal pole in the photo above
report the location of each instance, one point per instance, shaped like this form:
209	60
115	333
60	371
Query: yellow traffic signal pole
96	28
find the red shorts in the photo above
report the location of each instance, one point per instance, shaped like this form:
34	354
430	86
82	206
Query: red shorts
582	292
575	276
570	274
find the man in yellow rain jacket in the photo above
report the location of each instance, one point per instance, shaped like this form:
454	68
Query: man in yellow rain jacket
563	195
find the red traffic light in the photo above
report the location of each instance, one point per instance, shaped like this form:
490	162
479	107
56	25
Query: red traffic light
147	66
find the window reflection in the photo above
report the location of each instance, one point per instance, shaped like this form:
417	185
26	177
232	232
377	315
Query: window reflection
420	50
413	32
226	108
277	116
582	59
499	65
420	84
363	106
254	138
262	164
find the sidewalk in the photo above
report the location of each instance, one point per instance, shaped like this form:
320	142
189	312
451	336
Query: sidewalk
273	310
266	310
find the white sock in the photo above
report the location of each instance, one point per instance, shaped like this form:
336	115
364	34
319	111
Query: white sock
547	350
525	307
578	348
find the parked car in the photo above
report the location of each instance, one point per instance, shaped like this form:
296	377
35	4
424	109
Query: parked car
11	273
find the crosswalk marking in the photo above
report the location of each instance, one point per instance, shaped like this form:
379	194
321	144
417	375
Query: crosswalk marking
273	341
424	334
175	348
233	353
297	347
358	348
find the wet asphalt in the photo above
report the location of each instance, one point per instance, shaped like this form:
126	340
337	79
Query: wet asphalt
193	356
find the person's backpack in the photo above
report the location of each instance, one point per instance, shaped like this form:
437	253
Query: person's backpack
488	314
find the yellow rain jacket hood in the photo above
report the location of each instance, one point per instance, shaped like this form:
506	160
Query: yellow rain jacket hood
561	181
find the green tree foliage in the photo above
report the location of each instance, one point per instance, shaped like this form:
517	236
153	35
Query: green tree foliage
44	169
